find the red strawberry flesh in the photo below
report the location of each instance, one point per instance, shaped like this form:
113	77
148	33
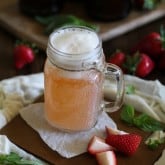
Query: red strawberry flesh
126	143
145	66
23	55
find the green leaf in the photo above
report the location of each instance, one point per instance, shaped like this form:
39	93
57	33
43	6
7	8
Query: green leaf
56	21
131	62
147	123
129	89
162	34
150	4
44	20
142	121
15	159
155	139
127	114
153	144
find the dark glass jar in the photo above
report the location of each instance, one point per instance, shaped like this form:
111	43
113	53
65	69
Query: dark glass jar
108	10
40	8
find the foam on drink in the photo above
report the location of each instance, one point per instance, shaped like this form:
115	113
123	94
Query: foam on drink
75	45
71	41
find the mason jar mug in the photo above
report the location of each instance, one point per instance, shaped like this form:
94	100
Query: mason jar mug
74	74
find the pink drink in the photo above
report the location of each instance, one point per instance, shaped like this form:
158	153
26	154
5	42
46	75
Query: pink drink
73	93
72	103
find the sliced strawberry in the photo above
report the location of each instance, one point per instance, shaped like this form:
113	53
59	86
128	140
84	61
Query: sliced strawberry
126	143
97	145
106	158
113	131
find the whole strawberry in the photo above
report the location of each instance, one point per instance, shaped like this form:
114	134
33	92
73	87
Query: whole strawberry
139	64
23	55
124	143
117	58
144	66
151	44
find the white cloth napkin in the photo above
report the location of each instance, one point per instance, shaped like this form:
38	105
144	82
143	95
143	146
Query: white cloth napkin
18	92
66	144
6	147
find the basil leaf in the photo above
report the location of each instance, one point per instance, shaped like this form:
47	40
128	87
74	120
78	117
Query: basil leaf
15	159
142	121
147	123
127	114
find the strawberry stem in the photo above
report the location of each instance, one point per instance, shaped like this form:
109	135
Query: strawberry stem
27	43
131	63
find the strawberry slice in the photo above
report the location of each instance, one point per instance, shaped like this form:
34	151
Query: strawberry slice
97	145
125	143
113	131
106	158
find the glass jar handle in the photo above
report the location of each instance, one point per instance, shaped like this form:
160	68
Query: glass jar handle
115	73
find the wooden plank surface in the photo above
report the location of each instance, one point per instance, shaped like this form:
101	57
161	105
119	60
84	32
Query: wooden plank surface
24	136
27	28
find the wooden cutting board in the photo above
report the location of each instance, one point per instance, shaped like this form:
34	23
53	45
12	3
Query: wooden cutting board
27	28
24	136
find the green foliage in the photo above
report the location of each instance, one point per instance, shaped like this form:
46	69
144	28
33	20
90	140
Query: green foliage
142	121
55	21
151	4
15	159
162	34
154	143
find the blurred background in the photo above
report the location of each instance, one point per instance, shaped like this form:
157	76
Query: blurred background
120	24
